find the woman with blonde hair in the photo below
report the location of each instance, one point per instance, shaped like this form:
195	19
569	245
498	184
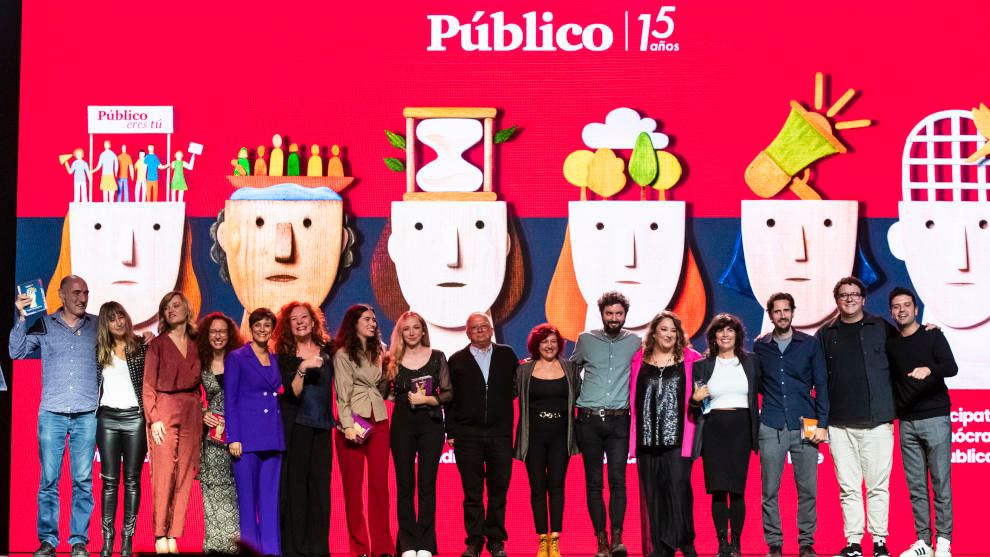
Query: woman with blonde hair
173	410
120	427
419	383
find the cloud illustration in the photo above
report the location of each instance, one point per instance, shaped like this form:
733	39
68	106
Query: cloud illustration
620	129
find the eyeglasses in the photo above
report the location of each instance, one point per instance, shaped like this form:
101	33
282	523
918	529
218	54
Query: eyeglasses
849	296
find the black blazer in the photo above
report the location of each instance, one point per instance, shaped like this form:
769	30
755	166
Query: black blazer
701	371
477	409
135	368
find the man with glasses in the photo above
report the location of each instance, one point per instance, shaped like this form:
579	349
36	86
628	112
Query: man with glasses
479	428
861	414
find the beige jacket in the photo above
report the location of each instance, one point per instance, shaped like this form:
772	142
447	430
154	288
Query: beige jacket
357	389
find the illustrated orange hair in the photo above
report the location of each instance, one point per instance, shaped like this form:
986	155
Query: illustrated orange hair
566	308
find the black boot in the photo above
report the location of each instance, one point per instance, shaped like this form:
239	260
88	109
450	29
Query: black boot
109	515
723	543
616	547
735	549
132	501
603	550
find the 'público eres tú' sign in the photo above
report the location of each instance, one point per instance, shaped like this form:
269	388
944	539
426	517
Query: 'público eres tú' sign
129	119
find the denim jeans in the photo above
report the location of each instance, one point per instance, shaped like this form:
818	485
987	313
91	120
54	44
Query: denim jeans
53	428
123	192
926	450
609	436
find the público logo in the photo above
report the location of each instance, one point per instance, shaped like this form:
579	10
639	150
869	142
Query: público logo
542	33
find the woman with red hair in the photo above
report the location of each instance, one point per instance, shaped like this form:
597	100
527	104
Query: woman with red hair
304	358
548	386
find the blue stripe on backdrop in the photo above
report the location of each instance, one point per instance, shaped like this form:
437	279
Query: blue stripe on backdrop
713	239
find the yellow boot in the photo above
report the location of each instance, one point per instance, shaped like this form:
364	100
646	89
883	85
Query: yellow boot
554	544
543	551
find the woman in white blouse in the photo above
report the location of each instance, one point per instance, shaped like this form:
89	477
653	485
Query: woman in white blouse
725	386
120	428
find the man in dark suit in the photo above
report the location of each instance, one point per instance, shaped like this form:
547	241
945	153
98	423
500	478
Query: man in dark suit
480	418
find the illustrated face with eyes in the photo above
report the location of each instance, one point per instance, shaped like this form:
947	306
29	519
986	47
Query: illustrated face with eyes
634	247
449	256
801	247
946	248
280	251
128	252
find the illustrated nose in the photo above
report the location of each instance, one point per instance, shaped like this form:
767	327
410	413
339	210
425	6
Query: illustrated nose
959	249
451	248
284	242
125	248
629	249
801	247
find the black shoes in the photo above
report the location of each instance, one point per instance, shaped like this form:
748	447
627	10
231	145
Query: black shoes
497	549
689	551
603	548
616	548
79	550
775	551
472	550
880	549
45	550
851	550
807	551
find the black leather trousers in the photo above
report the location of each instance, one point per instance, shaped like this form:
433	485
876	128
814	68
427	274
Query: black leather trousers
120	435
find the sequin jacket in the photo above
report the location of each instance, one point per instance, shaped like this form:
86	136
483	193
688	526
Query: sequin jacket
687	431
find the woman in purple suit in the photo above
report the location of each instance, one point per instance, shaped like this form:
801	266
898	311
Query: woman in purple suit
254	433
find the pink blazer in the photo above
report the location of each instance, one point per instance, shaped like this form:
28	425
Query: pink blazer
690	356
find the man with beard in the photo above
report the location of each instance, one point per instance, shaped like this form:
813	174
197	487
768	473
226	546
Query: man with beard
792	365
69	397
920	360
861	416
602	427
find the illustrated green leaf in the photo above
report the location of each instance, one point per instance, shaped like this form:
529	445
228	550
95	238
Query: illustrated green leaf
397	141
643	162
504	135
395	164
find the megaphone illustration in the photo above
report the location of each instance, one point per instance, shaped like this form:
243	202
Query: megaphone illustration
805	138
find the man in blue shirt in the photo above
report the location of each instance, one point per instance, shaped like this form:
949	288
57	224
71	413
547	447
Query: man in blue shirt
153	163
792	365
605	356
69	397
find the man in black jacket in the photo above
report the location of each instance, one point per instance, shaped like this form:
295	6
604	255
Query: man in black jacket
861	414
920	360
479	427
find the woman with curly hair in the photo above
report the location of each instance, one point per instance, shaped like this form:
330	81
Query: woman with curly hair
305	359
548	387
120	427
218	337
362	429
664	435
419	383
728	426
174	413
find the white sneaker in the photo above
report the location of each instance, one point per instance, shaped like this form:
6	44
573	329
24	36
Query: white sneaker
423	553
917	549
409	553
943	548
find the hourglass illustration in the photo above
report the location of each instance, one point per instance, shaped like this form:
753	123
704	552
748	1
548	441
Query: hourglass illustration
449	132
449	137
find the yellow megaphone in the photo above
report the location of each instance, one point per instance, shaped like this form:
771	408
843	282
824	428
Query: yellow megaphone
62	159
805	138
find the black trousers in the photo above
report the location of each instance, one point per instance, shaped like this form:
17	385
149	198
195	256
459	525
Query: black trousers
546	466
121	436
481	461
412	435
610	437
306	492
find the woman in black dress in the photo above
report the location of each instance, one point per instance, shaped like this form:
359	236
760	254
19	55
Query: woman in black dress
218	336
724	402
120	427
419	383
662	429
548	386
305	360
